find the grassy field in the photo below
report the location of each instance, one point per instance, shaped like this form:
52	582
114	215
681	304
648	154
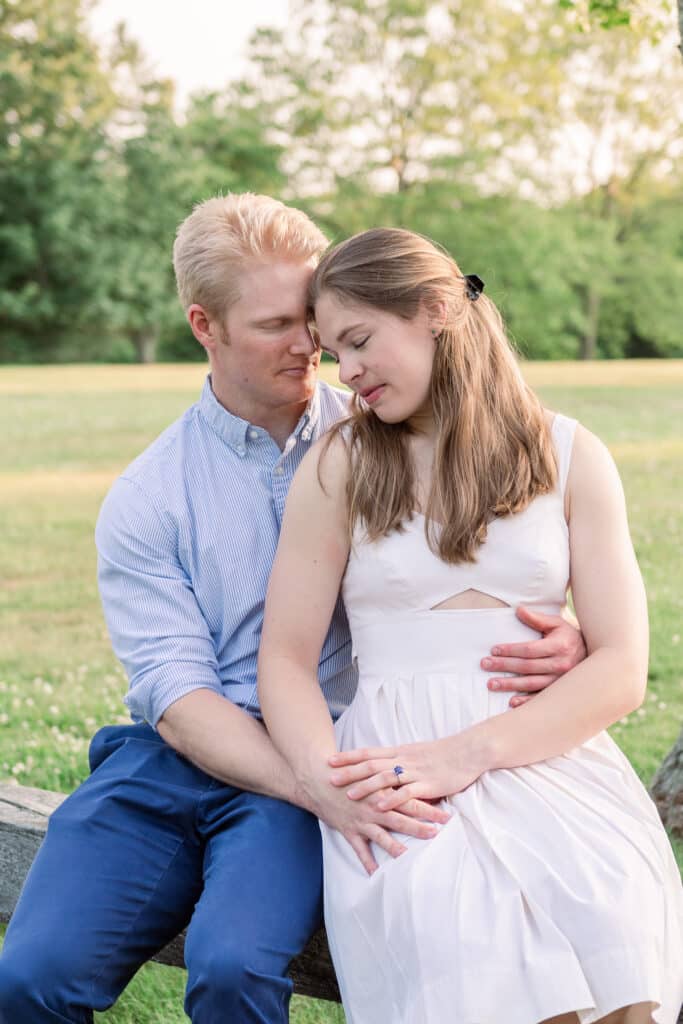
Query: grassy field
70	430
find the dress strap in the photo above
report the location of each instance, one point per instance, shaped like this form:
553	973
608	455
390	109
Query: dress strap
563	431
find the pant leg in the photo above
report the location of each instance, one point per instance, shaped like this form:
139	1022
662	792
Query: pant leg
261	902
116	878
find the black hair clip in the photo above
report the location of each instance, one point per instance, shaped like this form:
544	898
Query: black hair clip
474	286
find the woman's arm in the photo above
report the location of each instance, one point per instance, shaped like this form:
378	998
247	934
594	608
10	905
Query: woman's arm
610	602
304	585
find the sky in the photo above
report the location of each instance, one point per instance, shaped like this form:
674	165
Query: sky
199	44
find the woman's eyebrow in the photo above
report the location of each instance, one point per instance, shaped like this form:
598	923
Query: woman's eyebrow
347	330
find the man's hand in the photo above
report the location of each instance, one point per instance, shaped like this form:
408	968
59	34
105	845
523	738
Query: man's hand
537	663
362	822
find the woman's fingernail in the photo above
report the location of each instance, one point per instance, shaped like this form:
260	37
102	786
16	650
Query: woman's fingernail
486	663
495	651
493	685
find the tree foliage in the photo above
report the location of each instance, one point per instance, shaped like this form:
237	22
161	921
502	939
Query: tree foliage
542	149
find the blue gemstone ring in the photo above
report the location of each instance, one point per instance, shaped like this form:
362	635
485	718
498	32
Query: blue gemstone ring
398	771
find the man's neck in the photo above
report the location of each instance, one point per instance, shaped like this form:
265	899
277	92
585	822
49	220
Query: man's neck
280	422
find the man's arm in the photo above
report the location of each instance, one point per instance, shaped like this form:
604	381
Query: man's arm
227	743
160	635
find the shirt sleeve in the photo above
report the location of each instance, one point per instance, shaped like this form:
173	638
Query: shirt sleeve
156	626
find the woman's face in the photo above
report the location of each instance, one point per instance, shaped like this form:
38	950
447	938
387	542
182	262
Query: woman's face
384	359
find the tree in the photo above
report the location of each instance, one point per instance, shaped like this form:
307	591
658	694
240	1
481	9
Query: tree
612	13
395	92
53	176
372	97
96	171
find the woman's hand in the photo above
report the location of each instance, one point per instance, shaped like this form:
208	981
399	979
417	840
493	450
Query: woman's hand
363	822
430	771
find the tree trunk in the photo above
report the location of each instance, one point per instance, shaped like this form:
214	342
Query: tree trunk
145	342
589	341
667	789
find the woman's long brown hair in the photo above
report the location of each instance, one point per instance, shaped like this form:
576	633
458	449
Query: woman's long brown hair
493	453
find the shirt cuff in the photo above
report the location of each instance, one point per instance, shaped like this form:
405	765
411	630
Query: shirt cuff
151	696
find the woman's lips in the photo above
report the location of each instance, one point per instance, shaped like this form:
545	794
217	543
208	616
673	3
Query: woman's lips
372	394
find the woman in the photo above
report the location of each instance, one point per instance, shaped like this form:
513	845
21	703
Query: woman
451	496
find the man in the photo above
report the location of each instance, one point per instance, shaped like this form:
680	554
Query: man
189	815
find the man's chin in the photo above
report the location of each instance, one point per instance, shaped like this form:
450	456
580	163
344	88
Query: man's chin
301	386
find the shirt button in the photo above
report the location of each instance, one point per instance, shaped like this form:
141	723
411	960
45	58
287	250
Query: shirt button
278	471
253	434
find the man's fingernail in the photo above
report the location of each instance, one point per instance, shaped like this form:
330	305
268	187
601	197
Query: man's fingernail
486	663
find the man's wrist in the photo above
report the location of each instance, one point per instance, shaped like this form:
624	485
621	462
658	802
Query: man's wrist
309	785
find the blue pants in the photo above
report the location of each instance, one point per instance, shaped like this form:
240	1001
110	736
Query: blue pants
147	844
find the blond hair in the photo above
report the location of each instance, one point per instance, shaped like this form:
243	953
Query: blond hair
493	452
224	234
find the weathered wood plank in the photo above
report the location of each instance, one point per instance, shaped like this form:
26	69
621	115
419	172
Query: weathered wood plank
24	813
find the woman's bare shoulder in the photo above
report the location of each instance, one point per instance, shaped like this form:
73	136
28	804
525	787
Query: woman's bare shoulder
325	466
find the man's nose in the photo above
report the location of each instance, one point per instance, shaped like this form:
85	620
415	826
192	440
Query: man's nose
303	341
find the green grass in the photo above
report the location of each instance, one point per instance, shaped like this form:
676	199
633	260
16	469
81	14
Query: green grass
70	430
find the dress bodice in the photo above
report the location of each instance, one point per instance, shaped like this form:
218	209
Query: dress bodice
524	559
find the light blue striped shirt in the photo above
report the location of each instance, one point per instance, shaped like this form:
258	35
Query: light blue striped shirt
186	539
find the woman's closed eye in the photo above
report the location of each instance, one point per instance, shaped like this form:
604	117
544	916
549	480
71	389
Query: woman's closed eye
360	344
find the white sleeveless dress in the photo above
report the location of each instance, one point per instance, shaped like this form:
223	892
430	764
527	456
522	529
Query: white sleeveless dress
553	887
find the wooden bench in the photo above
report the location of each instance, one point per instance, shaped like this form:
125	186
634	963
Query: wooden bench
23	819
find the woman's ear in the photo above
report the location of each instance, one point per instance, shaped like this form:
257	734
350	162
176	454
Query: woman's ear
436	317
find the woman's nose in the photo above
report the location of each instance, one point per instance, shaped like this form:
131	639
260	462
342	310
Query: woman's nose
349	369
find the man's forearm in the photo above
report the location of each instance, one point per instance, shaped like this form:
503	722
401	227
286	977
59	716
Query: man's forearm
227	743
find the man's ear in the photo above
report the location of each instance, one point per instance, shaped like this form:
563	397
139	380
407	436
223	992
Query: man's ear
205	328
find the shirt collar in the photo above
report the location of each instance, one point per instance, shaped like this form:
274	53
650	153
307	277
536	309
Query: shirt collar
234	430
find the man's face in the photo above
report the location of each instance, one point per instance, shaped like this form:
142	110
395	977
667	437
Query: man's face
268	361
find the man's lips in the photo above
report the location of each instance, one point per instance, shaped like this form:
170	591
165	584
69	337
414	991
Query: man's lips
371	395
298	371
